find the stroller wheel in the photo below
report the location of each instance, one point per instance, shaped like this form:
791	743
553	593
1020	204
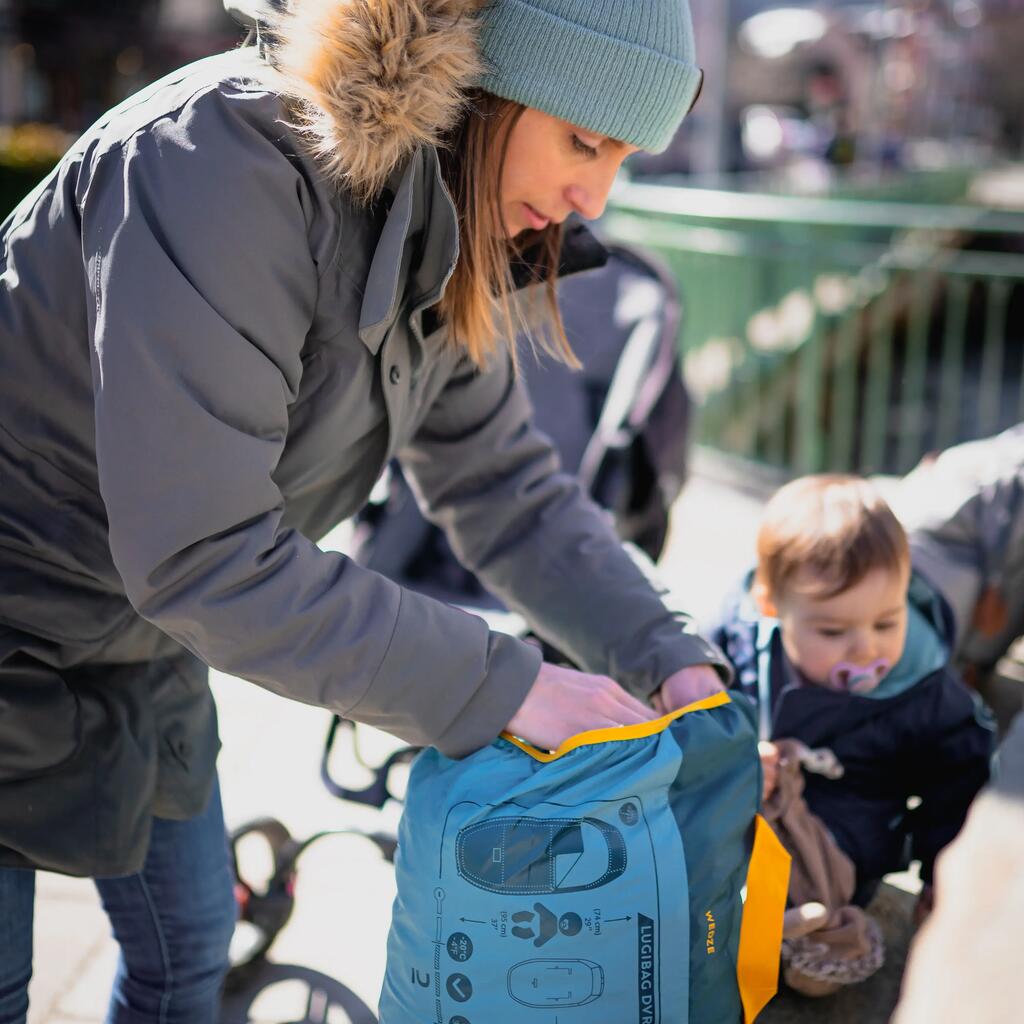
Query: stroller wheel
263	910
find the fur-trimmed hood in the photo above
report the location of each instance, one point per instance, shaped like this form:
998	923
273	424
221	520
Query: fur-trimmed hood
375	79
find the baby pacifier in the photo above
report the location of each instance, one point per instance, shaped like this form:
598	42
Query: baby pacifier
853	678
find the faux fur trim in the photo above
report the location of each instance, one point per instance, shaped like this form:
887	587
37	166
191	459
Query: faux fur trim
375	79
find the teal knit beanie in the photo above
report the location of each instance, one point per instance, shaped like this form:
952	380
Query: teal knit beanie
621	68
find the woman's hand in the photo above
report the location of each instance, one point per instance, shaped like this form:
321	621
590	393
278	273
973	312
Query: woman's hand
563	702
686	686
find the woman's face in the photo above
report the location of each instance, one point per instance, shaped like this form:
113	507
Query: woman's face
552	169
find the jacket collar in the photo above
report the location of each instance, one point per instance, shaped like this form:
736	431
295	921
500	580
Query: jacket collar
419	246
417	249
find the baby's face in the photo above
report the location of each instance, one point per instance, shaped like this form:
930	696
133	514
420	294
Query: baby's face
865	626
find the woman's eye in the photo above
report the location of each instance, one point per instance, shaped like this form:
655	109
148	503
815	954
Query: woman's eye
581	147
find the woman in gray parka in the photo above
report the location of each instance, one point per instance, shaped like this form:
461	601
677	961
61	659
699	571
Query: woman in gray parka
239	294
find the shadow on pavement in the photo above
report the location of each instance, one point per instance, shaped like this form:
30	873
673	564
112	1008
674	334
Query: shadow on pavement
320	993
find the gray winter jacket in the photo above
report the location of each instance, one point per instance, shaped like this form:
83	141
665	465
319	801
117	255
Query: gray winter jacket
208	351
964	511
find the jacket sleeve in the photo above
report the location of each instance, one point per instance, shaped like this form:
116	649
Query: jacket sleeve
484	474
204	288
964	513
952	758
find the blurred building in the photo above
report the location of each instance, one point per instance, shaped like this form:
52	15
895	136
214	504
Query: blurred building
819	87
846	82
64	62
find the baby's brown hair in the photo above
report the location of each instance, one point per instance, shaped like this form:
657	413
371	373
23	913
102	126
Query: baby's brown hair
836	527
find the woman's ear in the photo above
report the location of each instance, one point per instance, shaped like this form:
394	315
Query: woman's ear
763	599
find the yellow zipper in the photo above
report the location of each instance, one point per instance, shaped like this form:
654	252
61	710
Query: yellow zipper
619	732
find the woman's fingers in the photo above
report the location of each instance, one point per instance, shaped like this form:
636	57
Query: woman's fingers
563	702
688	685
629	704
628	716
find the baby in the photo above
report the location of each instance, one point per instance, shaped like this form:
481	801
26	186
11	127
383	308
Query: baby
844	649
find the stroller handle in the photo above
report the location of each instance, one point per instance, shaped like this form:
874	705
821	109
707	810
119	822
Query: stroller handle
378	792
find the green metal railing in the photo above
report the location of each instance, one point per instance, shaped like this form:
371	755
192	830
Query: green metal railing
842	335
948	185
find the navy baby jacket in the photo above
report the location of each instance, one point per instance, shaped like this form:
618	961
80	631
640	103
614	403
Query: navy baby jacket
929	745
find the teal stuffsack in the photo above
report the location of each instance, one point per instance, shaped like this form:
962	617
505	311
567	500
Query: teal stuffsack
602	882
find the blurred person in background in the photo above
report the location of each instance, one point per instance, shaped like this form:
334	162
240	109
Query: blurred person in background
964	509
965	959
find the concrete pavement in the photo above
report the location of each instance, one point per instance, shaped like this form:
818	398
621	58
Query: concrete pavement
328	963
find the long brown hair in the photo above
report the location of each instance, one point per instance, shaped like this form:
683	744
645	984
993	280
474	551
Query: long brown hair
482	314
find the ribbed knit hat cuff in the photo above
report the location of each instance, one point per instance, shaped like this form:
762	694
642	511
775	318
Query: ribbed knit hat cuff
607	85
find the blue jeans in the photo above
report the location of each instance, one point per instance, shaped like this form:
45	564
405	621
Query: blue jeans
173	921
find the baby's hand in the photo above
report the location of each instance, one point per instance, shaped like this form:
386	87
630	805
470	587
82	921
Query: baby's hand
770	767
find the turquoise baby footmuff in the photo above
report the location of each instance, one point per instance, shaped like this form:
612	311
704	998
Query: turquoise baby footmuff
625	877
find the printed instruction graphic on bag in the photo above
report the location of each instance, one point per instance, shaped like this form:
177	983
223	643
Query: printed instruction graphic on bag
601	884
556	898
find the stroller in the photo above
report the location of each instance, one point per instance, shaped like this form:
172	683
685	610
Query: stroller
621	424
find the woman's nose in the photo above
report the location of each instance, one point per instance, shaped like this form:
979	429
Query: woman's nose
590	196
587	202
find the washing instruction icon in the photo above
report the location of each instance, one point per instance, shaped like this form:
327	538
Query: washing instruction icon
629	814
460	946
570	924
459	987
